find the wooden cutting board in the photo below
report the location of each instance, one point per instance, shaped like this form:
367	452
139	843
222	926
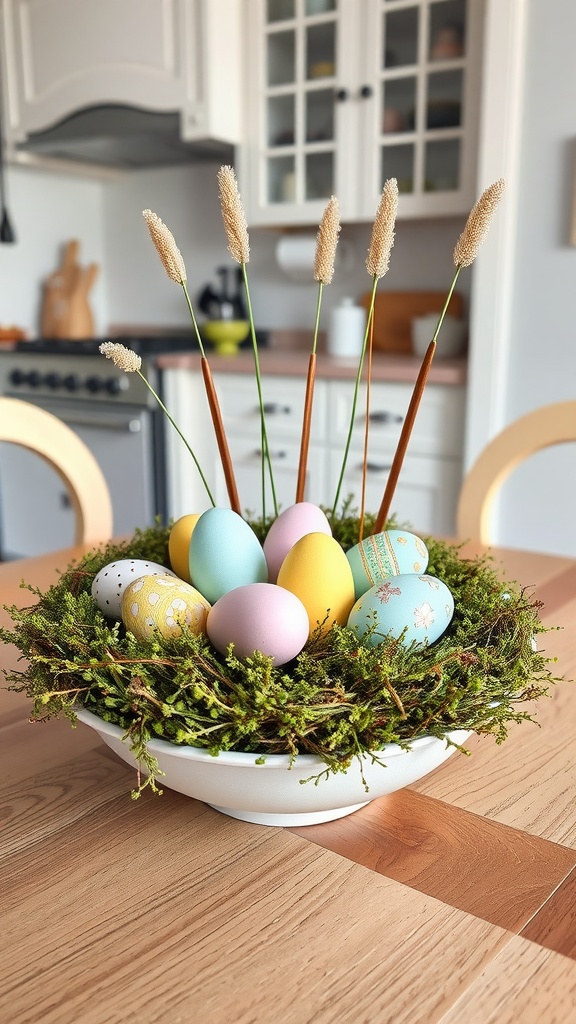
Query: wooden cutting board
66	313
394	312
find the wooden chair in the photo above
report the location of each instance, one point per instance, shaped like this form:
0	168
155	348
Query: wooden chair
549	425
25	424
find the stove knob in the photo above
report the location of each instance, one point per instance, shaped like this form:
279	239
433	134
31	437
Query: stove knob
33	379
115	385
53	380
94	385
71	382
17	377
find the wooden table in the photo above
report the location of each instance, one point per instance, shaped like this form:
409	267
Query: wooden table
453	900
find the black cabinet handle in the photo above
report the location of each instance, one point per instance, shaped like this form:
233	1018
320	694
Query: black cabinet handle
278	454
366	92
275	408
375	467
342	95
384	417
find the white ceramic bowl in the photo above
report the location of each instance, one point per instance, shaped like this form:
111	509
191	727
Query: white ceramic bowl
273	793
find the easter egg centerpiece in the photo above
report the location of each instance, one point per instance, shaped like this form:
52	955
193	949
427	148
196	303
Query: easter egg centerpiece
285	667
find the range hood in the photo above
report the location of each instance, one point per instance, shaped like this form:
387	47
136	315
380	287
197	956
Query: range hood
123	138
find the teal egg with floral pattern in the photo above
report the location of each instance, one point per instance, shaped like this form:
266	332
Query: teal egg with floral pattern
415	607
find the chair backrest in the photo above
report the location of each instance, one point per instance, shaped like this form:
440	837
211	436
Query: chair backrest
25	424
549	425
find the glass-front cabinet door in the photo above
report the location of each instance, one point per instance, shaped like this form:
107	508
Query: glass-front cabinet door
347	93
426	108
300	64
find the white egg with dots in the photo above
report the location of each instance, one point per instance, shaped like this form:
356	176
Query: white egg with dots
112	580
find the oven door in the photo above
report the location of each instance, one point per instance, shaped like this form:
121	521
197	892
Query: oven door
35	512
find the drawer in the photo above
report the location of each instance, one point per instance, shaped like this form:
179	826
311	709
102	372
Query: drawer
438	429
284	457
283	403
425	497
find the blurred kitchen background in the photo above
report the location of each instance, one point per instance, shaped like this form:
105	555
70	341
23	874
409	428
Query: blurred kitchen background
445	95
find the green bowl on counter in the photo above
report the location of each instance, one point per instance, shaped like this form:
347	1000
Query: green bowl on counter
225	335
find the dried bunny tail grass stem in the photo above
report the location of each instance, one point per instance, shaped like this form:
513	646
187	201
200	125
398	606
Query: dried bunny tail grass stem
124	358
465	253
466	249
233	215
172	261
174	265
128	361
326	242
166	247
239	248
382	240
377	263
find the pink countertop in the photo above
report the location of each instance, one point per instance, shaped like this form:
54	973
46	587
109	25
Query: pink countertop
394	368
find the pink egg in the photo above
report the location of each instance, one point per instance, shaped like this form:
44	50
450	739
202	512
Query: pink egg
292	524
259	617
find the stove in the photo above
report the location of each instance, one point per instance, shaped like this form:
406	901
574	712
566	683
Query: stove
115	415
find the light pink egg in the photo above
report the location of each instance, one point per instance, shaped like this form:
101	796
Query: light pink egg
259	617
292	524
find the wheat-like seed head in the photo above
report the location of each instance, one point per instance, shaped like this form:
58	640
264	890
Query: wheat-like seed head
122	357
326	242
378	258
466	249
233	215
166	247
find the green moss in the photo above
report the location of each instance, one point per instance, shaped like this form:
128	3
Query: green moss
338	698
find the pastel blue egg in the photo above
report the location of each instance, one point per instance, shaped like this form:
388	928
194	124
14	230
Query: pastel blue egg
224	554
391	553
421	605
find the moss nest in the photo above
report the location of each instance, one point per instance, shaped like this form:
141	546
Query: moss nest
337	699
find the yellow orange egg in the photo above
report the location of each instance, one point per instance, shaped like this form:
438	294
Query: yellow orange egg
179	544
164	605
318	572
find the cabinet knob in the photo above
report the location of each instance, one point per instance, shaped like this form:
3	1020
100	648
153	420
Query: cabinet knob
342	95
383	416
366	92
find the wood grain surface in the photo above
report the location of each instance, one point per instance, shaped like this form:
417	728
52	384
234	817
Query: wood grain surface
452	901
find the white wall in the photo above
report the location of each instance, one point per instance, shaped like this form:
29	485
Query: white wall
538	505
46	210
186	199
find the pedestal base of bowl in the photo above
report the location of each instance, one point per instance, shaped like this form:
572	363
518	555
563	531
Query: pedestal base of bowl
290	820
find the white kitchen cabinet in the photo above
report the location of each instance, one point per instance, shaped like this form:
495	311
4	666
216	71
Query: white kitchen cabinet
238	398
431	475
346	94
62	57
284	405
425	496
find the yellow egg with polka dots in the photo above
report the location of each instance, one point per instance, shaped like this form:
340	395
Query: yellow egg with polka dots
163	605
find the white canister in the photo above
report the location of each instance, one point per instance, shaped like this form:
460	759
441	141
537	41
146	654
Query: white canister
346	329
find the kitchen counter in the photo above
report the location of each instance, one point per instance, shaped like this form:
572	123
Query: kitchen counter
286	363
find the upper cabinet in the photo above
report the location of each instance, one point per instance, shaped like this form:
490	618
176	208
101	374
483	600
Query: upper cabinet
85	80
344	94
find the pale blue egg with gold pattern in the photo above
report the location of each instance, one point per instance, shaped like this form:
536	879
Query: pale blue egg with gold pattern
390	553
